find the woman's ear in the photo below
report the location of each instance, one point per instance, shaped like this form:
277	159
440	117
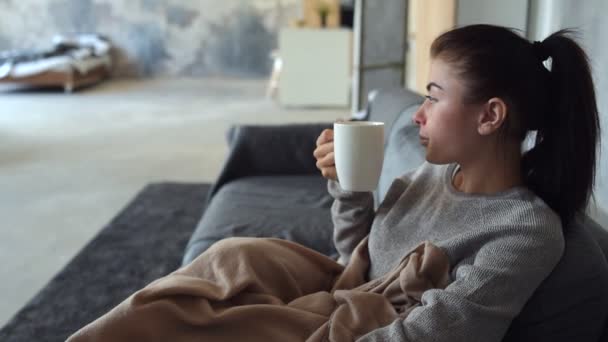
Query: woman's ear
492	116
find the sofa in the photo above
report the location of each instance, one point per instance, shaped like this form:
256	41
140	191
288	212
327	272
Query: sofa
269	187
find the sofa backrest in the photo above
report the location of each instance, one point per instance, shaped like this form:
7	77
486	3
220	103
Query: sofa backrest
573	301
387	105
402	152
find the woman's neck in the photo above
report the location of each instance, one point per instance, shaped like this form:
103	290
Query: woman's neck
490	175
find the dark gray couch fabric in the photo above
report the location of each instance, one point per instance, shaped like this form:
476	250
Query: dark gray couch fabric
277	190
570	305
269	150
295	208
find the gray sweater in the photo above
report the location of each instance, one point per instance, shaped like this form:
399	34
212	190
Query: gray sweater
500	247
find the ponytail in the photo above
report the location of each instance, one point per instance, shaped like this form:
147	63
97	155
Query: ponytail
560	168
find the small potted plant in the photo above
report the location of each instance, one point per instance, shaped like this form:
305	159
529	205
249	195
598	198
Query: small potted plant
323	9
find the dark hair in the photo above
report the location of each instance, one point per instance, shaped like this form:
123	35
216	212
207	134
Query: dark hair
559	104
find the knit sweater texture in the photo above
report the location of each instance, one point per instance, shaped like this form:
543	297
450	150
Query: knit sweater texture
500	247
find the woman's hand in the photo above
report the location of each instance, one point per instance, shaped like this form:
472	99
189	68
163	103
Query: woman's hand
324	153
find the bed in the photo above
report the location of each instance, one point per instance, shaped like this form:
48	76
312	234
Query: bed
71	63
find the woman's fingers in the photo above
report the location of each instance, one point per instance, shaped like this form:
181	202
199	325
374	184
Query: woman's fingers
327	161
324	153
322	150
330	173
326	136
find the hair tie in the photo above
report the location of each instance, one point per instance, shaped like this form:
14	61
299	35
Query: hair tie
542	54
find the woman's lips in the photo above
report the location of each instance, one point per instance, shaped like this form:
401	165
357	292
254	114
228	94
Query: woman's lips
424	140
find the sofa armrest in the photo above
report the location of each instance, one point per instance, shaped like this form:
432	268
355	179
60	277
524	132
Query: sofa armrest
269	150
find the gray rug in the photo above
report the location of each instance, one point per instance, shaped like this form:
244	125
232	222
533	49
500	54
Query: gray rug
145	241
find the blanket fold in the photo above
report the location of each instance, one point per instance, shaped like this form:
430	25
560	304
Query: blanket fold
266	289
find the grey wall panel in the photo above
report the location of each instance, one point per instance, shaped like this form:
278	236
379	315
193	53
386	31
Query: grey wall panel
385	29
380	45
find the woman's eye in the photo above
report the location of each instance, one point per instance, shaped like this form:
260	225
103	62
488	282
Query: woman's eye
430	98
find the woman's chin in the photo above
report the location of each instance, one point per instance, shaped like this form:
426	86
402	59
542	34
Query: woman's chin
437	160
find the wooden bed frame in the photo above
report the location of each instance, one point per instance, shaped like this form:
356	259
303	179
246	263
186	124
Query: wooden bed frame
69	80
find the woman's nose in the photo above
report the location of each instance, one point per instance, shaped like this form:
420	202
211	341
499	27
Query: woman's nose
419	118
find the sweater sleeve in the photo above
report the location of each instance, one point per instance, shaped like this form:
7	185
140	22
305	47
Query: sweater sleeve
352	214
490	288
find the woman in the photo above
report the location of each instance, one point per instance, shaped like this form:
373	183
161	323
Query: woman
497	214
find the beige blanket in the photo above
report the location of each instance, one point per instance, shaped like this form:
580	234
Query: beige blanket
263	289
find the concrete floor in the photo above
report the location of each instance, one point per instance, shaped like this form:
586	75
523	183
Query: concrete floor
69	163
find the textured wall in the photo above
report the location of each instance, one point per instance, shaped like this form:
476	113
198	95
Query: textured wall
168	37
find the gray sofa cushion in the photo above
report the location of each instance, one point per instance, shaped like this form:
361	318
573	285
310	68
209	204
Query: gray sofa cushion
295	208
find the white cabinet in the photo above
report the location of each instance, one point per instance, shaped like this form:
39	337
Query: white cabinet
316	67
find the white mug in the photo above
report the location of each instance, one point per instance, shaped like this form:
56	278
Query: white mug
358	154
